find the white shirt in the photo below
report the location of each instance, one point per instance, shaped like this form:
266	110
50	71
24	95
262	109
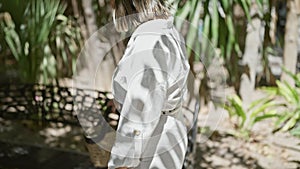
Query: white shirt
150	82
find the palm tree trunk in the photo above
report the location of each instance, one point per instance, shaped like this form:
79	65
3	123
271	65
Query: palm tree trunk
92	72
252	56
291	41
77	14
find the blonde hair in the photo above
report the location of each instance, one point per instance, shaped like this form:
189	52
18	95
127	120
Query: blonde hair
140	11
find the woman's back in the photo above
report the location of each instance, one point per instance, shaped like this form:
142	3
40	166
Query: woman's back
150	83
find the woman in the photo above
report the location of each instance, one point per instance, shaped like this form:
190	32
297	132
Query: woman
149	84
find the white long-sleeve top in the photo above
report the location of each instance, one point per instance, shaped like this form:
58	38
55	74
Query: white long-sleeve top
149	83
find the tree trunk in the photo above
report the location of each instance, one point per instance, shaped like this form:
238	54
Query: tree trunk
92	72
252	56
77	14
291	41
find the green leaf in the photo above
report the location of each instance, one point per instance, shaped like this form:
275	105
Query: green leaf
296	77
287	92
260	4
282	119
238	106
291	122
74	61
230	110
215	23
270	90
295	94
182	14
65	57
238	49
237	100
13	46
296	131
193	30
225	4
205	34
263	117
62	18
263	107
231	35
260	102
194	8
246	9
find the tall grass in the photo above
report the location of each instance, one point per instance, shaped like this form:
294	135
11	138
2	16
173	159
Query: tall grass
45	41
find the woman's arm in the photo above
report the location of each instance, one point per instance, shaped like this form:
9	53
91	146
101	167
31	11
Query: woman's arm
139	116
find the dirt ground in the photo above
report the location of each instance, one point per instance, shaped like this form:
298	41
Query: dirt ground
217	148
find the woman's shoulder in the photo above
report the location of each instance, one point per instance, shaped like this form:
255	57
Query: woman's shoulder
142	42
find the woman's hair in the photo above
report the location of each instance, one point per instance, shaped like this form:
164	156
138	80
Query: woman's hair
140	11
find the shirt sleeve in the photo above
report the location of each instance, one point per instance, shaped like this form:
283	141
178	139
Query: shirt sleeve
139	116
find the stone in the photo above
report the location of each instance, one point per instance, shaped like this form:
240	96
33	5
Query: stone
218	161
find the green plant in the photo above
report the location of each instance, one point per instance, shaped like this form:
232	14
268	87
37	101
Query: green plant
289	117
45	41
246	118
296	130
213	21
217	32
65	41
